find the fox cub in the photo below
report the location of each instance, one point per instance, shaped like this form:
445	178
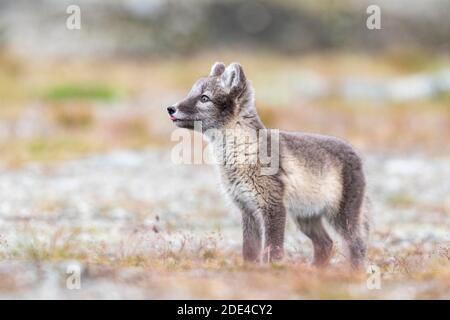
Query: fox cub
316	177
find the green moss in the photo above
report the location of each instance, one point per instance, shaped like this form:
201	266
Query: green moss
81	92
401	200
48	149
411	61
444	99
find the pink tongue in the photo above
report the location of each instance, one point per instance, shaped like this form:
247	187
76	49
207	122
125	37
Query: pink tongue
173	118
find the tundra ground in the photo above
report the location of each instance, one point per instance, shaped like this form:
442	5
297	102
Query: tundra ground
139	226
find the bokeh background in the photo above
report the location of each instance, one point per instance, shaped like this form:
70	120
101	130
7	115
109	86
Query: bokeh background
86	176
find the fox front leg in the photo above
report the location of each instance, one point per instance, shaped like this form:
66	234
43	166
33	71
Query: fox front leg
274	228
252	237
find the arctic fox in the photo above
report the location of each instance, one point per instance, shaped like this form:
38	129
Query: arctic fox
316	177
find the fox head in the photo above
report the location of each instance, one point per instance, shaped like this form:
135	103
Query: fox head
216	100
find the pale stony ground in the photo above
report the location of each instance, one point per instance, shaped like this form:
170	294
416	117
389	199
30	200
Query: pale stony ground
139	226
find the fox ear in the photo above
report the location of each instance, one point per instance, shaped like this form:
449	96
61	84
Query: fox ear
217	69
234	79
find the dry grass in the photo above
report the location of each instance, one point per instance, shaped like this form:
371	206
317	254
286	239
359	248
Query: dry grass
416	127
199	268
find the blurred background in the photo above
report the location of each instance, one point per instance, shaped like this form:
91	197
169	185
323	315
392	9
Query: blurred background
85	138
315	66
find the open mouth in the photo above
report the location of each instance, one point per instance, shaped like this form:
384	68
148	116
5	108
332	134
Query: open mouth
178	120
183	123
175	119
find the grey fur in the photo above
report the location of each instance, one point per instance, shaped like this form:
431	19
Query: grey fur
319	177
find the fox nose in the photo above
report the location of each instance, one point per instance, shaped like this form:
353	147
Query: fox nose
171	110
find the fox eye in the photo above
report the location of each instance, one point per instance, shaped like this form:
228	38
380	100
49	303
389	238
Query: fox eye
204	98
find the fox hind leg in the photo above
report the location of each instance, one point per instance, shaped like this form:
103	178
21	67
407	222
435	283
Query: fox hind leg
351	221
313	228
